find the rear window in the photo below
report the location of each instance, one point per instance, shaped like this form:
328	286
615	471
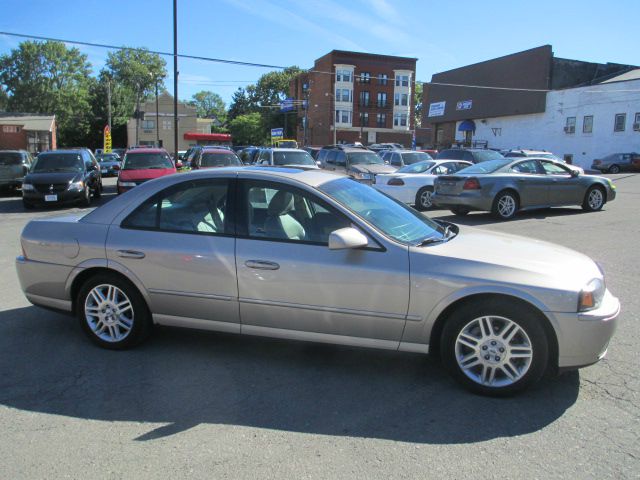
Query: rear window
489	166
292	158
219	160
142	161
487	155
10	158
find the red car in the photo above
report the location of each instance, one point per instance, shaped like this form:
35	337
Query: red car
142	164
210	157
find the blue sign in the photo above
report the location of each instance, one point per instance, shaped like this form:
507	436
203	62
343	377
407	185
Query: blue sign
287	105
277	133
464	105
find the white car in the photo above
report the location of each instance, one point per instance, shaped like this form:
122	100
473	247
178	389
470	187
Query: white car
413	184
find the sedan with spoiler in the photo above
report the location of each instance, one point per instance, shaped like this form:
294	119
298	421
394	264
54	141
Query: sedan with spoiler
506	186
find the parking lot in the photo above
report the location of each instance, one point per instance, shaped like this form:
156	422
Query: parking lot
208	405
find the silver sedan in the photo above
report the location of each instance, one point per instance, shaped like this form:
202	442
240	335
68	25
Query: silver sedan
304	255
507	186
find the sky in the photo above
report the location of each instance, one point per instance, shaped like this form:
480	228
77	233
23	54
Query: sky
442	35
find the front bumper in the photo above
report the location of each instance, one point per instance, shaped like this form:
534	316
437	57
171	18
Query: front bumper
62	198
583	337
10	182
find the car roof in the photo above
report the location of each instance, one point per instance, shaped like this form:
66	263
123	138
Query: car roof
217	150
146	150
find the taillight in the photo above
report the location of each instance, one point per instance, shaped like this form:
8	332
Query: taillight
471	184
395	181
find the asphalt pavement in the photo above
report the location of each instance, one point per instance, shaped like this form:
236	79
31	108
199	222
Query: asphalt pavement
190	404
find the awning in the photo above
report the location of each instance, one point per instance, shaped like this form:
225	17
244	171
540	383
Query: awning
467	126
211	137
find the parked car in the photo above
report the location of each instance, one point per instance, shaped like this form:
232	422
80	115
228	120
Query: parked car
215	157
539	154
473	155
400	158
119	151
248	155
618	162
430	151
313	151
109	164
14	165
380	147
359	163
143	164
60	177
413	183
310	256
285	157
507	186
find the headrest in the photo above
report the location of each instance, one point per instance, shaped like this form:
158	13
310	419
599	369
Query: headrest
280	204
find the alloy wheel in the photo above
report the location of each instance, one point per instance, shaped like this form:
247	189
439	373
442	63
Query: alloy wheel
109	313
595	199
506	206
425	199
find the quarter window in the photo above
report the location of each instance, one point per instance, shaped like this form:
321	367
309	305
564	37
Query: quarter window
529	167
621	119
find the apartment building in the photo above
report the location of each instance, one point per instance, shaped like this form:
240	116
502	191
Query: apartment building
355	97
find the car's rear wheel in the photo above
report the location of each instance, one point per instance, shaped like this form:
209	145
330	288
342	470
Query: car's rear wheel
594	199
505	205
495	347
614	169
460	211
112	312
423	198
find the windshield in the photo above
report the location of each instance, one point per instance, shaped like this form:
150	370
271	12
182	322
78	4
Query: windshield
419	167
57	162
212	159
141	161
292	158
550	156
415	157
489	166
364	158
391	217
10	158
486	155
109	157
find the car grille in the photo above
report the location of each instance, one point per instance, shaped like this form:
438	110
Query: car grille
46	187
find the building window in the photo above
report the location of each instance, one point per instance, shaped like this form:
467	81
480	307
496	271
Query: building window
364	99
636	123
343	116
148	124
382	78
403	120
365	77
621	119
343	95
381	120
166	124
343	75
382	99
404	99
402	80
10	129
396	99
400	120
570	126
364	119
587	124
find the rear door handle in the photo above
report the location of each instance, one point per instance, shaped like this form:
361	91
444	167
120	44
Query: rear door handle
130	254
262	265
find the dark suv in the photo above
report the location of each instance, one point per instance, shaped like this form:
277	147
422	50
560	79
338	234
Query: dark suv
14	165
62	176
474	155
357	162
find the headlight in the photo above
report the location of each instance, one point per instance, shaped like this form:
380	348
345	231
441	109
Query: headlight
591	295
126	184
611	185
27	187
362	176
76	185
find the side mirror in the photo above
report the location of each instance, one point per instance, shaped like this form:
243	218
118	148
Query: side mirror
574	173
347	238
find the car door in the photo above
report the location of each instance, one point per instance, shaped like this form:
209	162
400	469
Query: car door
531	183
179	244
564	188
291	285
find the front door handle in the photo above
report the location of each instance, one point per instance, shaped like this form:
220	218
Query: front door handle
262	265
130	254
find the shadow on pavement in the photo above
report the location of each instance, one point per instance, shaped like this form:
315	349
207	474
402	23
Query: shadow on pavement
184	378
12	203
485	218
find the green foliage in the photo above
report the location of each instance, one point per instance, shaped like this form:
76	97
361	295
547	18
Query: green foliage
4	99
241	102
209	105
248	129
417	97
49	78
138	70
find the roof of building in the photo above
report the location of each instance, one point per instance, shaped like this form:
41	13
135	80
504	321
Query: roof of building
630	75
29	122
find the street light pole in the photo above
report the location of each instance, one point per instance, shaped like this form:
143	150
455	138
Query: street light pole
109	102
175	79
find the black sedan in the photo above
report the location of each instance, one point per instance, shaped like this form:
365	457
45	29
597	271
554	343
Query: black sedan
62	177
109	164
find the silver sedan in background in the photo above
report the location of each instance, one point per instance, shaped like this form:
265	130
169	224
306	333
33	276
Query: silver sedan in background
507	186
306	255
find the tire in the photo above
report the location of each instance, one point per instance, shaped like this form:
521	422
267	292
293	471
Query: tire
105	317
27	205
494	347
97	193
85	201
594	199
614	169
505	205
423	199
460	211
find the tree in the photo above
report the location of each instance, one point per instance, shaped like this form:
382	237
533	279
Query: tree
248	129
209	105
417	98
138	70
241	102
4	99
49	78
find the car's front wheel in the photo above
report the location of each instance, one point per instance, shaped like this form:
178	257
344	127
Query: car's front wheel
97	193
112	312
594	199
495	347
423	198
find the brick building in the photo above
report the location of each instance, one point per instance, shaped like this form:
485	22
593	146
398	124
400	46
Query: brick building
34	133
366	98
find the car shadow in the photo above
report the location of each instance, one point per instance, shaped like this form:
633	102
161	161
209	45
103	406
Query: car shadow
183	378
485	218
12	202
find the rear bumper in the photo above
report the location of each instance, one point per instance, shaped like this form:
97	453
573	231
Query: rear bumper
44	283
472	199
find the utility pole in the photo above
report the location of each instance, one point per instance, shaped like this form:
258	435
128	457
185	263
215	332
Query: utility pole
306	118
157	118
137	113
175	80
109	102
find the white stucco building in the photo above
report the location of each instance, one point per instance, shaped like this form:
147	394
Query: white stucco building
578	124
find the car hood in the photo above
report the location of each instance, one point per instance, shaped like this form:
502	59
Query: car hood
146	174
53	178
503	258
373	168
